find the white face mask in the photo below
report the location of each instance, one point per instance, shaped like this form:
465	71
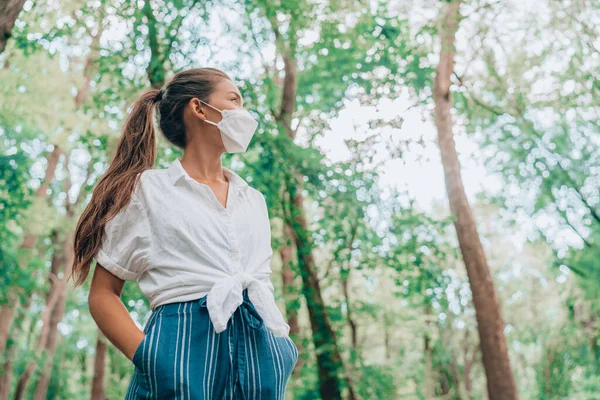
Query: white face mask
237	128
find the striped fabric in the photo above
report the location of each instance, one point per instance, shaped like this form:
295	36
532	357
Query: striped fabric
182	357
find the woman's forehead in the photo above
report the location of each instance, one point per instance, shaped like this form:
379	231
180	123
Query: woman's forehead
227	86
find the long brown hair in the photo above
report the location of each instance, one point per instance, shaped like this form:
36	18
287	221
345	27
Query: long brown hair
135	153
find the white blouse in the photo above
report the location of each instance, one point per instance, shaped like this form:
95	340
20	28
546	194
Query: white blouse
178	241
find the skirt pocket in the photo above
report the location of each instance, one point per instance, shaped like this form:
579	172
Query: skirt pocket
138	352
144	354
293	351
154	358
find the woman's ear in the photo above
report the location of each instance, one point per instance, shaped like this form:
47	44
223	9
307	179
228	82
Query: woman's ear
196	108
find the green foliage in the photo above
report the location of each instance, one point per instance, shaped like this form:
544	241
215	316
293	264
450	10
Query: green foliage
376	382
388	266
14	201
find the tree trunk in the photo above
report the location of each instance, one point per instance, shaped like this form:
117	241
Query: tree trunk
9	11
345	279
429	372
155	70
11	352
351	323
290	295
386	336
7	371
99	362
57	316
351	369
500	380
329	361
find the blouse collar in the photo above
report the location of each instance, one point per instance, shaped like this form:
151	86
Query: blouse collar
176	172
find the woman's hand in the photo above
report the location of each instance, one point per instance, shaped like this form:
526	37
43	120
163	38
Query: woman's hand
132	352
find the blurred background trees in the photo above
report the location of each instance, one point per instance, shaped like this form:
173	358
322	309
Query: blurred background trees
483	287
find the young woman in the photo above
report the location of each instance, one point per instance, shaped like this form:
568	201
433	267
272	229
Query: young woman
196	238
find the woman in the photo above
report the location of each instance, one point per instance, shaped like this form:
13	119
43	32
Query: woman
196	237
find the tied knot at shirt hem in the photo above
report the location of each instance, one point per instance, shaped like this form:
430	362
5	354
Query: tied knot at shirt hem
227	295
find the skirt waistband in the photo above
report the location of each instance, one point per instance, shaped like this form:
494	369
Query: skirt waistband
247	309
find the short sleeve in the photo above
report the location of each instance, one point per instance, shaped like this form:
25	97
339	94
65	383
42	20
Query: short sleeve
125	249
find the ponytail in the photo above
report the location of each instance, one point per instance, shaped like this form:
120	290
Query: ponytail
136	152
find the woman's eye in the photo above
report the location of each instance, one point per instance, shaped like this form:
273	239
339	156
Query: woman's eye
235	98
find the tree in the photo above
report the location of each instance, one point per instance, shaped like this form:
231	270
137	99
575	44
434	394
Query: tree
500	380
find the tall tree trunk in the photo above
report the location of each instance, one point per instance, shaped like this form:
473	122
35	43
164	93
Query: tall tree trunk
57	315
7	371
155	69
461	381
386	336
41	388
290	294
351	369
429	372
329	361
9	11
500	380
351	322
99	362
345	280
11	352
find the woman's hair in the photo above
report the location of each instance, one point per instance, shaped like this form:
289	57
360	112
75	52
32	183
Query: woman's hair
136	152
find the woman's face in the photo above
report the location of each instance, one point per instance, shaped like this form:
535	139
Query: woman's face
226	96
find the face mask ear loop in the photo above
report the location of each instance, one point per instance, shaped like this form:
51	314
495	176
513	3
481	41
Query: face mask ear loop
211	106
207	121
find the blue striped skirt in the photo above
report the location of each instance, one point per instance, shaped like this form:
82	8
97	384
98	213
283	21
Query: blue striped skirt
182	357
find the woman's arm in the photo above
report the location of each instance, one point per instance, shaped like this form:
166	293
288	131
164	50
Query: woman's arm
110	314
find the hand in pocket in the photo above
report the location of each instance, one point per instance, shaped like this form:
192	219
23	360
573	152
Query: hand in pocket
137	348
